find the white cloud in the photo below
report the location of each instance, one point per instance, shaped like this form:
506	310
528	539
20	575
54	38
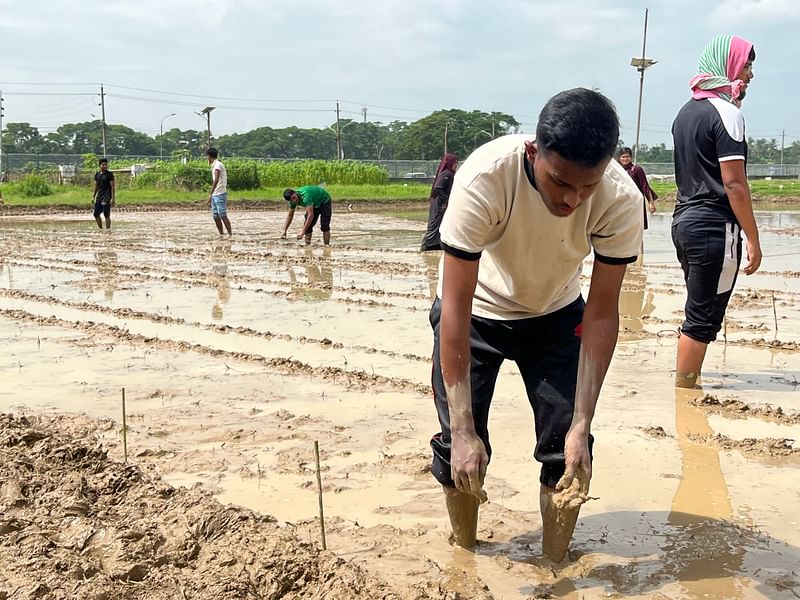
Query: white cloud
747	12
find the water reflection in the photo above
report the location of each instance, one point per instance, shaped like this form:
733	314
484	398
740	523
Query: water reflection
431	260
635	300
219	277
107	270
318	284
706	550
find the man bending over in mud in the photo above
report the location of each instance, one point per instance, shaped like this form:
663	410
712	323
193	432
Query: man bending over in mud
317	202
523	215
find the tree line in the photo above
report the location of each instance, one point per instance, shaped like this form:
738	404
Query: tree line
453	130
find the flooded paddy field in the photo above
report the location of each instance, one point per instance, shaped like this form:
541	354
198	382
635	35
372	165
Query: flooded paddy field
237	354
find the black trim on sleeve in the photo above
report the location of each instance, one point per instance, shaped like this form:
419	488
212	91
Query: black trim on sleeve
460	253
613	260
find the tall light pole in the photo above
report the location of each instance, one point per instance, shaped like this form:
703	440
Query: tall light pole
481	132
162	132
641	65
207	113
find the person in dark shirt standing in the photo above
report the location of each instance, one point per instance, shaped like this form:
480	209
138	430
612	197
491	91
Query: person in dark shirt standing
713	205
104	195
440	194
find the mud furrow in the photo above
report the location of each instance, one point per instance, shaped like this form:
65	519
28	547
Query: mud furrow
128	313
350	379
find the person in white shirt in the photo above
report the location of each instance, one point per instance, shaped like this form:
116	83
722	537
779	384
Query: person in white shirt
522	216
218	196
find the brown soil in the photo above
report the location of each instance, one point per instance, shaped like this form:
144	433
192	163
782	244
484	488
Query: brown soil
738	409
76	524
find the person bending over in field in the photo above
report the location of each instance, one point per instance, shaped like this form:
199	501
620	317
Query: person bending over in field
317	202
522	216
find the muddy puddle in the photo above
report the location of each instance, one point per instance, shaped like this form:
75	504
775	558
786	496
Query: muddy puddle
236	355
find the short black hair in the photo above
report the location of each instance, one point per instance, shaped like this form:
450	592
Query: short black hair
102	160
288	193
212	152
752	55
581	125
624	150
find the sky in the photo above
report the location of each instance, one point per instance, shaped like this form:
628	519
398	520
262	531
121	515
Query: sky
278	63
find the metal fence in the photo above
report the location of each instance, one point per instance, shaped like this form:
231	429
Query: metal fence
396	169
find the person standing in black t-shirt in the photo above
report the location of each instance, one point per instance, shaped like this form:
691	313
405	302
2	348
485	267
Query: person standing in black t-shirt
104	195
713	205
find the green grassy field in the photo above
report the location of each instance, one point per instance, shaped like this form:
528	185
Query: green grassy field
763	190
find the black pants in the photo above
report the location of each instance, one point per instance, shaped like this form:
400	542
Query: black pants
322	213
710	254
546	351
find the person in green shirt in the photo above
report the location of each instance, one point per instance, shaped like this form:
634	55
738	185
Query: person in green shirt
317	202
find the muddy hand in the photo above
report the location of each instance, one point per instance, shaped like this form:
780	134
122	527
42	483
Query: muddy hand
468	460
572	489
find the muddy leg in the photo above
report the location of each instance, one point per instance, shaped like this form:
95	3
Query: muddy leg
227	224
560	513
218	223
463	511
99	221
326	237
308	239
691	354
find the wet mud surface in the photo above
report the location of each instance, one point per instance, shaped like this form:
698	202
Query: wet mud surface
237	355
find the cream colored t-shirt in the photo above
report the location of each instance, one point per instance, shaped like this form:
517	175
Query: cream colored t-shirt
530	259
222	184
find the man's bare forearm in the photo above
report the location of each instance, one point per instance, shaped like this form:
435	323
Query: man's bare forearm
599	338
742	206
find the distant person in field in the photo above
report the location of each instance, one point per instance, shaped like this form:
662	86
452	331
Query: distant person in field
523	215
440	194
218	196
104	195
317	202
625	158
713	205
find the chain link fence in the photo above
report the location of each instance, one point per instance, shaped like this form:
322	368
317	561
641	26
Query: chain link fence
53	167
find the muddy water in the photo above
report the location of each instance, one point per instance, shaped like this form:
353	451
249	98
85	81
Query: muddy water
237	355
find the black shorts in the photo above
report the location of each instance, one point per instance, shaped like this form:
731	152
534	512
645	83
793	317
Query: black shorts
546	351
322	213
710	254
103	208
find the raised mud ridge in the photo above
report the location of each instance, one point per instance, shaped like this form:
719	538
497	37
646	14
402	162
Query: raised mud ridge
76	524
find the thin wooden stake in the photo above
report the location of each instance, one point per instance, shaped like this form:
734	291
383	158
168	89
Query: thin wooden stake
725	330
319	495
775	316
124	429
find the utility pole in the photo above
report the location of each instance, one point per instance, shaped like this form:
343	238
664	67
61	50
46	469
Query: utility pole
207	112
446	123
103	114
783	136
364	113
338	135
641	65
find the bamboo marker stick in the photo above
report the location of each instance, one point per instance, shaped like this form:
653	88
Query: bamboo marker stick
319	495
124	429
775	316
